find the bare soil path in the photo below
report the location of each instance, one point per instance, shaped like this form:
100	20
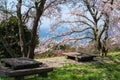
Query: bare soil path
61	61
58	61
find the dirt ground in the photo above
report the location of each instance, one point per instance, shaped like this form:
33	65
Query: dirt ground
61	61
58	61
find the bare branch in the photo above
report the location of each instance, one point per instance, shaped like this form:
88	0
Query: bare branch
26	15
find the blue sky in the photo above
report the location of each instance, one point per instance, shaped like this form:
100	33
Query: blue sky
46	22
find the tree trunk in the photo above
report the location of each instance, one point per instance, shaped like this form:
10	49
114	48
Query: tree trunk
33	37
39	11
21	30
105	48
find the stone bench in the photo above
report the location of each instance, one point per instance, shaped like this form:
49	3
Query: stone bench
41	71
79	56
20	67
20	63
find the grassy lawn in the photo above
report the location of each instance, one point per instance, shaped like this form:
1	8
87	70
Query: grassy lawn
105	70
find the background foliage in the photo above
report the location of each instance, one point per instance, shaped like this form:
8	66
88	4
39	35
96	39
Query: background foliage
9	41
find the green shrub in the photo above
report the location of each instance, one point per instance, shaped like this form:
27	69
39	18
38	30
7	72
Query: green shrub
9	40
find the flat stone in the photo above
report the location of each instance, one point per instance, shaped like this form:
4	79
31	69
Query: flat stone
20	63
4	71
79	56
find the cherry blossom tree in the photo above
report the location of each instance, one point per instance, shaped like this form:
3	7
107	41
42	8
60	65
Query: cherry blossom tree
110	7
35	11
88	20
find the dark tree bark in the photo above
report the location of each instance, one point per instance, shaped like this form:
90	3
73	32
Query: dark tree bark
39	11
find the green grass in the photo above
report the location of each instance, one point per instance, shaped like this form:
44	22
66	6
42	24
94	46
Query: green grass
106	70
